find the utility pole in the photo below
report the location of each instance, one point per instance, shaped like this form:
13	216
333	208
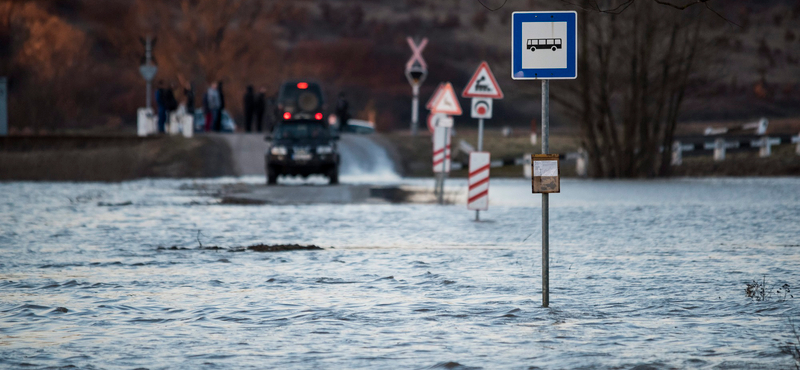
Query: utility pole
148	68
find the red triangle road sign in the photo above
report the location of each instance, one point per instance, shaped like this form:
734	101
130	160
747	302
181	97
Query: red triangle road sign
483	84
446	102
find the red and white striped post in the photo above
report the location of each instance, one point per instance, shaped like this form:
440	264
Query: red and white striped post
441	158
478	194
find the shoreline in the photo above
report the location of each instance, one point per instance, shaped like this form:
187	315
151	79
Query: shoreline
116	158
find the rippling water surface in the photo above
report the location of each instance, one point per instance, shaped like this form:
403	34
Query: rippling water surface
642	273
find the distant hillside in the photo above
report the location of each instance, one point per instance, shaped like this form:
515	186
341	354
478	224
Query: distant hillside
86	53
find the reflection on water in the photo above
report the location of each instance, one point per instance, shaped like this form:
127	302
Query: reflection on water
642	273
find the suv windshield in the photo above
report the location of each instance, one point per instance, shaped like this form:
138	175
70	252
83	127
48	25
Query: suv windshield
302	130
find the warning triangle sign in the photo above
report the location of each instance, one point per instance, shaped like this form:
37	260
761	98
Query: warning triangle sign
434	96
483	84
446	102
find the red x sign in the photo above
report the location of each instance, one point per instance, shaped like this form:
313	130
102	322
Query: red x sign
417	50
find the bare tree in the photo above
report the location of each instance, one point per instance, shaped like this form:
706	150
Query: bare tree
635	70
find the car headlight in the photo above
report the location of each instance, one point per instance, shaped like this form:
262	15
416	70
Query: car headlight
278	150
324	149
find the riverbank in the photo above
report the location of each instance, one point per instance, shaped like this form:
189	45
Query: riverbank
112	158
126	157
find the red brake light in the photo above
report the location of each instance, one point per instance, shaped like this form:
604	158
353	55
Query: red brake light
302	85
318	116
287	115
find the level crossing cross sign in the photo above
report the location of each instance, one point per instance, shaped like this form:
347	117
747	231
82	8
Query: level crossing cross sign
446	102
544	45
483	84
416	60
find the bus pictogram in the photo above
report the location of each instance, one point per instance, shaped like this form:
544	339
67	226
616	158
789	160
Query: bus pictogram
552	44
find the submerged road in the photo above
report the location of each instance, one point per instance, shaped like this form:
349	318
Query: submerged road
361	155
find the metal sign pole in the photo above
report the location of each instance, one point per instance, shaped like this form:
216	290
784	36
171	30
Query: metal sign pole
3	106
444	164
149	57
480	134
415	110
545	198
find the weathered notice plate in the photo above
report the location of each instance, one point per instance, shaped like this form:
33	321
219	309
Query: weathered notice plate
546	173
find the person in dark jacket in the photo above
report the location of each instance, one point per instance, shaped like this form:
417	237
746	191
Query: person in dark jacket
188	94
342	111
249	105
218	115
260	107
160	106
170	103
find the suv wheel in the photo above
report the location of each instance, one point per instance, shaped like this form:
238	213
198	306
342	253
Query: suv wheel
272	177
333	176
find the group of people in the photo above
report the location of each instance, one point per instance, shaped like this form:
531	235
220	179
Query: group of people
255	106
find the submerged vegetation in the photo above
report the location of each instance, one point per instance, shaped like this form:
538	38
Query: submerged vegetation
758	291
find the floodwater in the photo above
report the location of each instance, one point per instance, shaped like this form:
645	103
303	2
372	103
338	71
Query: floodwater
644	274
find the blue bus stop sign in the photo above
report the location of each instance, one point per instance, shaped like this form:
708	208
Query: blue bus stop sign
544	45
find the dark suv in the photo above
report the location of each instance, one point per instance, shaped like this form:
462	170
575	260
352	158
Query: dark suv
302	143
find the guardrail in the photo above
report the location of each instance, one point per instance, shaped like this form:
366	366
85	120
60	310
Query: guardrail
720	146
580	157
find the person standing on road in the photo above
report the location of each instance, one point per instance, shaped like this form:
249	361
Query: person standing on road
188	100
170	103
206	112
220	107
249	105
161	107
342	111
188	94
260	107
213	102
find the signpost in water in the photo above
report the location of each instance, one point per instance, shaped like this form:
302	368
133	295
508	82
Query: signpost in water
544	46
445	102
482	88
416	71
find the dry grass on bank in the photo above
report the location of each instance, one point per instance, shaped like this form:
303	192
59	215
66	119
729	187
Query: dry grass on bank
414	152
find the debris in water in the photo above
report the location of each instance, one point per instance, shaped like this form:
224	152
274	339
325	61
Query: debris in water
108	204
282	247
242	201
255	248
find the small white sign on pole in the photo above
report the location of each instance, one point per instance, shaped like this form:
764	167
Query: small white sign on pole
481	108
441	150
478	194
444	121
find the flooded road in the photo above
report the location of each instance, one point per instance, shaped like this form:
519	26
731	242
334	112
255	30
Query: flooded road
643	273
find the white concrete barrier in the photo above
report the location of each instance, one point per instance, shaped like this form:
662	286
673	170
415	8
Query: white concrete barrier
145	122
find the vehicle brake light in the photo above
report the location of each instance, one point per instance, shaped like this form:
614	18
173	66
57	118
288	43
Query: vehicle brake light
302	85
287	115
318	116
